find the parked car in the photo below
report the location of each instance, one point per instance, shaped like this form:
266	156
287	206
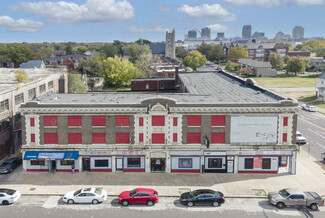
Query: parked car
86	195
300	139
10	164
8	196
323	157
310	108
139	196
202	197
295	197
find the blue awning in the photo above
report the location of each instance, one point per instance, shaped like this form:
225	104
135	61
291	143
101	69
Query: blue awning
51	155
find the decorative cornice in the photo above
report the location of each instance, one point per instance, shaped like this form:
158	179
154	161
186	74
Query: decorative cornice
234	109
84	110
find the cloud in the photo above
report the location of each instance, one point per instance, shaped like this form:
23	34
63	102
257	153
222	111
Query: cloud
163	8
220	28
305	2
102	11
208	12
275	3
153	29
20	25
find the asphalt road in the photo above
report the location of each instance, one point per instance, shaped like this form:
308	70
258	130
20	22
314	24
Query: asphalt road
312	126
52	206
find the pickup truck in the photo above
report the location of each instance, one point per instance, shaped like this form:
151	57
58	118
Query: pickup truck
294	197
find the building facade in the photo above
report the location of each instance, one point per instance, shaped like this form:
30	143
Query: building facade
298	33
247	31
206	33
170	45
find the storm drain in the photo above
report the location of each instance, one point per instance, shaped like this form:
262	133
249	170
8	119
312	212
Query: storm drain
183	190
259	192
32	189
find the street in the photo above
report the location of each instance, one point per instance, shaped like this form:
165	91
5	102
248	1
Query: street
52	206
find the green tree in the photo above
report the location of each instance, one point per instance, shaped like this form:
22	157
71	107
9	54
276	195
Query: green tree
296	65
180	52
276	61
320	52
216	54
45	53
204	49
118	72
82	50
143	64
237	53
232	67
120	47
68	48
21	76
286	59
143	41
93	65
194	60
17	53
110	50
76	83
135	50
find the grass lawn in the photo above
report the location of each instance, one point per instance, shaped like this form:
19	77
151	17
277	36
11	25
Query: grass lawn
306	97
286	82
117	88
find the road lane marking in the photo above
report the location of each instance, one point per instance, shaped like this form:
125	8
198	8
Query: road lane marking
321	145
316	133
312	123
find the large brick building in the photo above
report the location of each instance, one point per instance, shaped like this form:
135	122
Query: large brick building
220	123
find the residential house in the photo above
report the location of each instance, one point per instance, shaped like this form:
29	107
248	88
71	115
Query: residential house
257	68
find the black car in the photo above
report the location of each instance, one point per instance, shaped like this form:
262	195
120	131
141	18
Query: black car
202	197
9	165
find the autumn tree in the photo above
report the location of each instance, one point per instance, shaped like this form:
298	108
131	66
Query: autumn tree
237	53
21	76
276	61
296	65
194	60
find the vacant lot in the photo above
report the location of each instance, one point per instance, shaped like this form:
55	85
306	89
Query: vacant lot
286	82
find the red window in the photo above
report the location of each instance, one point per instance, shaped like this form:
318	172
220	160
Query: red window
122	138
193	138
174	137
74	120
285	137
158	138
285	121
175	121
32	137
99	138
50	138
218	120
140	121
98	120
74	138
193	120
50	121
140	137
218	138
158	120
122	121
32	121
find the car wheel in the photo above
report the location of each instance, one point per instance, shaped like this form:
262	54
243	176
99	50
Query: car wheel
5	202
216	204
280	205
70	201
125	203
10	171
95	201
314	207
150	203
190	204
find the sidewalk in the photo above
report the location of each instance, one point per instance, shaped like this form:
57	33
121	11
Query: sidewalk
310	177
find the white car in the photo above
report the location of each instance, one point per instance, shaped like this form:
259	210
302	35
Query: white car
300	139
310	108
86	195
8	196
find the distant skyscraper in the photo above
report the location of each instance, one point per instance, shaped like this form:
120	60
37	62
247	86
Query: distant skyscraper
220	35
206	33
192	34
170	44
298	32
247	32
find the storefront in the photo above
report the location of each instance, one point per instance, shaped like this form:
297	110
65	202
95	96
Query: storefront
157	161
217	162
97	161
51	161
185	161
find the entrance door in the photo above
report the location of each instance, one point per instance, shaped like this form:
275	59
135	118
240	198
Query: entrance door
53	165
119	164
86	164
157	164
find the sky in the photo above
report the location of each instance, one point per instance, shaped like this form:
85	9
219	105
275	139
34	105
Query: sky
129	20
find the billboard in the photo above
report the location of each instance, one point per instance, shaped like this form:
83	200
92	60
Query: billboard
254	130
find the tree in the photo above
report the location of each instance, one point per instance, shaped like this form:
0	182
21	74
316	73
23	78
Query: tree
232	67
120	47
76	83
118	72
296	65
135	50
237	52
276	61
320	52
21	76
194	60
81	50
143	41
216	54
110	50
143	64
93	65
180	52
204	49
17	53
68	48
45	53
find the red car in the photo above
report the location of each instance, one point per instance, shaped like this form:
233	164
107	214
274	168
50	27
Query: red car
139	196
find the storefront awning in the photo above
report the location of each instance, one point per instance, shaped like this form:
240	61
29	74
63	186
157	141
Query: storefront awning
51	155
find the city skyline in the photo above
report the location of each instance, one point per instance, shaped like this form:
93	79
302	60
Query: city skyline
129	20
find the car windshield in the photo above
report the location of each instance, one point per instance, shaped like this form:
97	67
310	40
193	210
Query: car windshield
133	192
299	134
98	191
8	191
194	194
4	165
77	192
284	193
